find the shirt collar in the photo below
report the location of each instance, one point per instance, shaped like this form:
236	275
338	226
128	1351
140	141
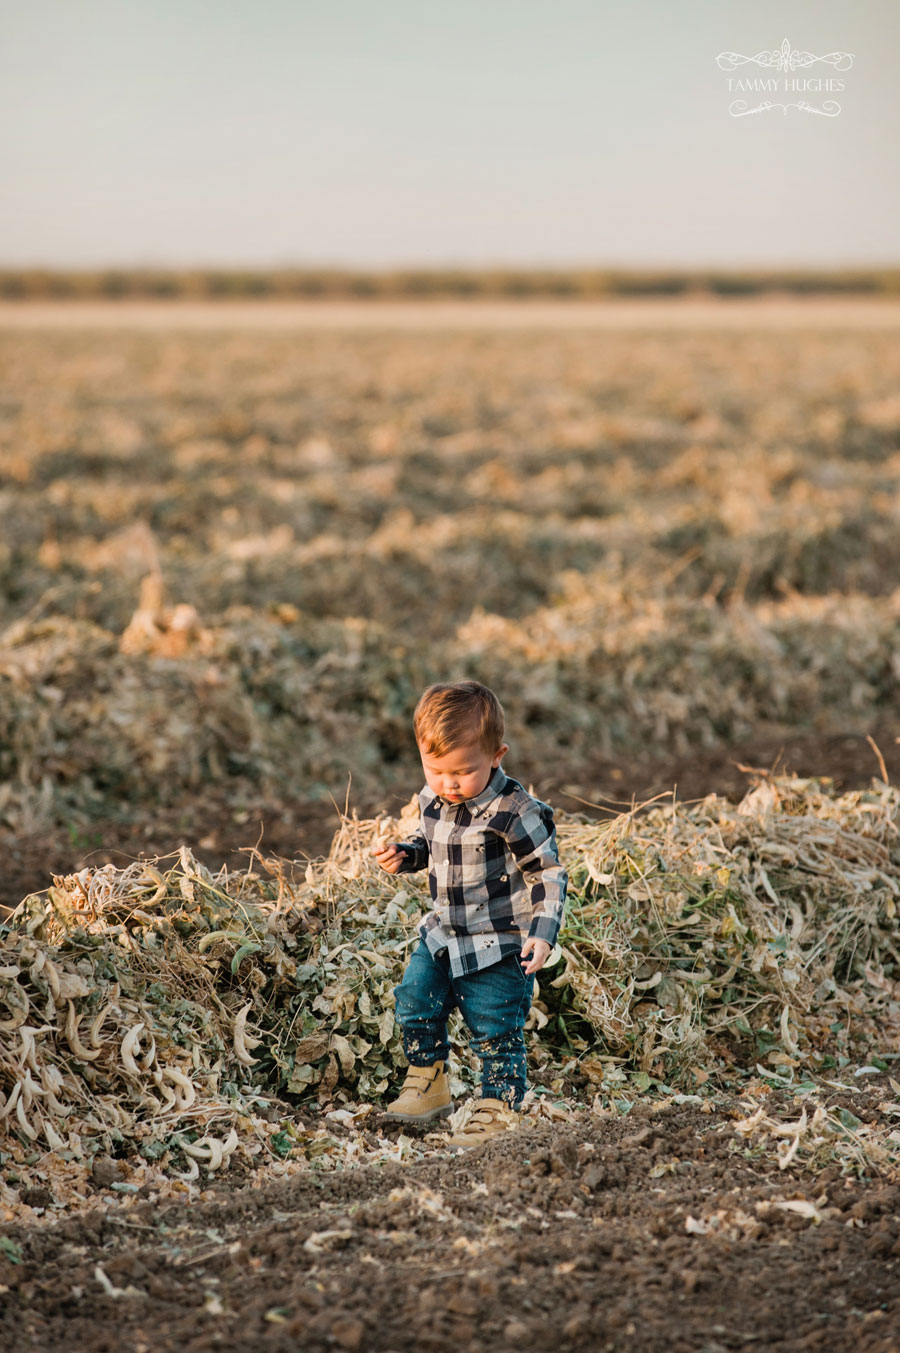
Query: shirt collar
480	802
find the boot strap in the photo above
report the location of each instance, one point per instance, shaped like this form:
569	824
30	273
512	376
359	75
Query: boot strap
485	1116
420	1075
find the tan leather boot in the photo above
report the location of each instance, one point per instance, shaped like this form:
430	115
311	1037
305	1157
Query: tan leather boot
425	1094
490	1118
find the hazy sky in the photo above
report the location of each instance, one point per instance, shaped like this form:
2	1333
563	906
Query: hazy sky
190	132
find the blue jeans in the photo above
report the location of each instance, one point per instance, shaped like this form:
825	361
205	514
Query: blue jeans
494	1004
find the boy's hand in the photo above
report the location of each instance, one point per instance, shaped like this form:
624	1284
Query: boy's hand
389	855
539	950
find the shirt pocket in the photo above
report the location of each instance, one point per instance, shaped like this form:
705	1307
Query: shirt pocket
491	852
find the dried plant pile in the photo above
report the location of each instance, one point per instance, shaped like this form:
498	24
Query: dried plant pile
159	1008
267	706
699	934
129	999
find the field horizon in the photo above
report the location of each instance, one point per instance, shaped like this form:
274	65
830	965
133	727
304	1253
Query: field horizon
775	310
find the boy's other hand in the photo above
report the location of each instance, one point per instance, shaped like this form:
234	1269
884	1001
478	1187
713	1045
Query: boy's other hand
540	952
389	855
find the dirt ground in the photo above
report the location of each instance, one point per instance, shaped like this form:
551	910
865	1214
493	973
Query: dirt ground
660	1230
208	824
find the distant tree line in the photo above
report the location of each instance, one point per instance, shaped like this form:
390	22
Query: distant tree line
416	283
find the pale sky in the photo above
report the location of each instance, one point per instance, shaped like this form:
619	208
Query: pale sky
376	133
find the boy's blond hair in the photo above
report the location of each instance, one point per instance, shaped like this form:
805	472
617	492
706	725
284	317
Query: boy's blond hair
454	714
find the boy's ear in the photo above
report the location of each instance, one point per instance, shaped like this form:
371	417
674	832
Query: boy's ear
499	755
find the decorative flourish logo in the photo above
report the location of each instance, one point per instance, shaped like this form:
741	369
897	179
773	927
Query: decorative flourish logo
784	59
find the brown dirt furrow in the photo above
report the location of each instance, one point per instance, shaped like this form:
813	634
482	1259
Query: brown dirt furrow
647	1233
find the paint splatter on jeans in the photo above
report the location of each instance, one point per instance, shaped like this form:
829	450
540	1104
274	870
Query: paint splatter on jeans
494	1003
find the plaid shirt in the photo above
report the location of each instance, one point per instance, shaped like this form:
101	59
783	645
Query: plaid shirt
493	871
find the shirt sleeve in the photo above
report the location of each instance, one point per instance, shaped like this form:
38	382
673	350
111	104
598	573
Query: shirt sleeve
416	850
531	836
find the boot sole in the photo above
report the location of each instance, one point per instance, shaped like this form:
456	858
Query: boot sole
444	1112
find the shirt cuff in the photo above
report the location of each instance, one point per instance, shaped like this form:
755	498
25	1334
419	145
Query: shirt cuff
544	928
416	857
433	935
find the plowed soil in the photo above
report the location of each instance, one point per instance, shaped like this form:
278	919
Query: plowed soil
656	1231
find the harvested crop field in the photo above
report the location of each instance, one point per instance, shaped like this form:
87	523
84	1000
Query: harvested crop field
234	553
232	557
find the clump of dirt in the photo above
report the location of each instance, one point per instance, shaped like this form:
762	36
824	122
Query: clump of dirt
659	1230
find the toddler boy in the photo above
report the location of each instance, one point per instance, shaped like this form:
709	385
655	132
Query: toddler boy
498	890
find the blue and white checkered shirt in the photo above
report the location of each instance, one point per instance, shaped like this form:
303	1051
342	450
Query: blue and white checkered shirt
493	871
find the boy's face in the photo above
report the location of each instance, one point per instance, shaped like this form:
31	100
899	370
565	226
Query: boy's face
462	772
